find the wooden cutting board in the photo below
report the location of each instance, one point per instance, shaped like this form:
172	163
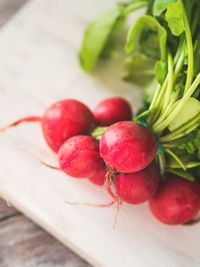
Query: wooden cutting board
38	65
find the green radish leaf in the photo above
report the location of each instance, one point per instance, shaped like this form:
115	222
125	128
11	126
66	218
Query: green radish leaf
189	111
97	40
95	37
160	5
175	18
185	174
149	44
108	50
192	144
189	147
130	6
141	24
139	69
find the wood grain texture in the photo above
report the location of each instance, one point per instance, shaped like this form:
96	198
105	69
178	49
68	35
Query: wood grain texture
23	243
8	8
6	211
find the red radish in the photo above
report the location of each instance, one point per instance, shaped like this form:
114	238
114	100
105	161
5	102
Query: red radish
112	110
62	120
99	177
128	146
135	188
79	156
177	201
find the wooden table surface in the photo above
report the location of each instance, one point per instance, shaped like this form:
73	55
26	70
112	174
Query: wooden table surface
23	243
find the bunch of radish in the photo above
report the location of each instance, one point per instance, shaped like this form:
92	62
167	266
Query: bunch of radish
161	54
110	149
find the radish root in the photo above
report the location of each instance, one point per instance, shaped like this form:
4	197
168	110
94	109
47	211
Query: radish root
38	159
108	183
90	204
25	119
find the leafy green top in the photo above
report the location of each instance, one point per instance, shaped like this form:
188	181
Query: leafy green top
164	58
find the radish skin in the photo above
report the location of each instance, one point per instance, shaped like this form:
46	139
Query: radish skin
136	188
177	201
64	119
99	177
128	146
112	110
79	156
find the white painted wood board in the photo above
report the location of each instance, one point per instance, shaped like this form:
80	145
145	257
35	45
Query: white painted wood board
38	65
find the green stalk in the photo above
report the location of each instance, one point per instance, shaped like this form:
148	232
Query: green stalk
178	61
165	145
179	49
190	52
163	116
184	133
179	64
156	104
175	95
169	119
176	158
155	97
170	82
192	164
165	113
162	92
97	132
156	112
171	136
159	110
188	165
162	163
